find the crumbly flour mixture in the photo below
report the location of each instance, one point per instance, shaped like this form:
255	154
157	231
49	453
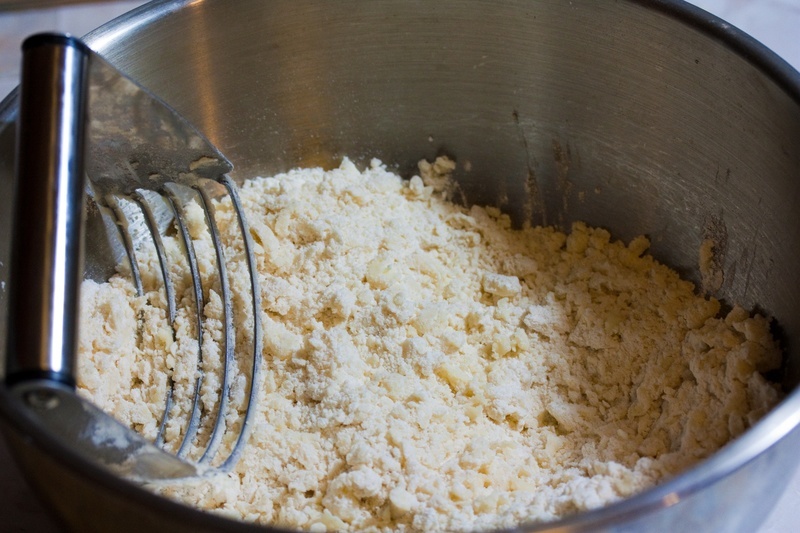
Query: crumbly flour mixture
429	368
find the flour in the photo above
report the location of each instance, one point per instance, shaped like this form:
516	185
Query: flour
429	368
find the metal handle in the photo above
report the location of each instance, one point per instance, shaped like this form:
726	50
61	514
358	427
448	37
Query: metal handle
47	249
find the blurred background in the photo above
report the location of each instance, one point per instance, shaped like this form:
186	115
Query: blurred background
776	23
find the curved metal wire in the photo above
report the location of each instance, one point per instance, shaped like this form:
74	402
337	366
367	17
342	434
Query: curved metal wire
228	332
141	201
188	248
255	376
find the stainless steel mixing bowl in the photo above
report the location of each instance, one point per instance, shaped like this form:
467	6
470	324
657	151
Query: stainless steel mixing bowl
639	116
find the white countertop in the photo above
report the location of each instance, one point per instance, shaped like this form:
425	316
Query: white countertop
775	23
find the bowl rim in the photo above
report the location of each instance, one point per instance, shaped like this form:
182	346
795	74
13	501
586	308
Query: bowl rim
768	431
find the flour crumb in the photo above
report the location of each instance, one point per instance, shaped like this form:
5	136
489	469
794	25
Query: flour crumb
711	272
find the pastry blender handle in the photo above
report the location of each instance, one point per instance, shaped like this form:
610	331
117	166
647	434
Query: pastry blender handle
47	247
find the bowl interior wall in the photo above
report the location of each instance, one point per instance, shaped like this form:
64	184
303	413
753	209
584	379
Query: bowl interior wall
612	113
